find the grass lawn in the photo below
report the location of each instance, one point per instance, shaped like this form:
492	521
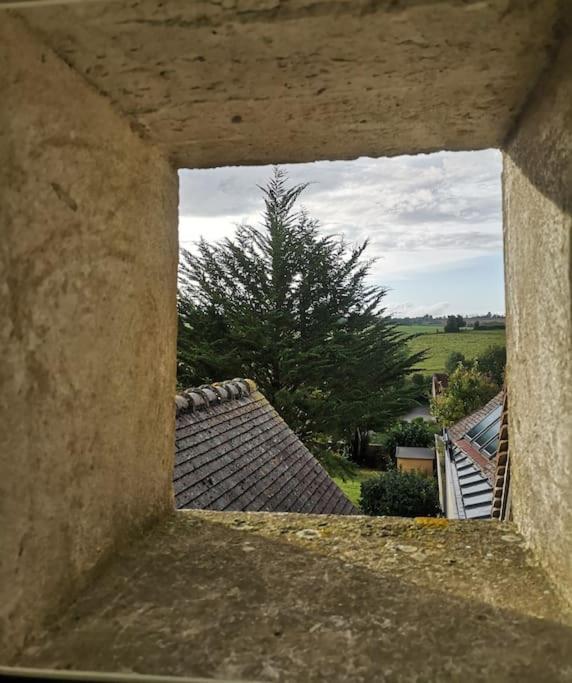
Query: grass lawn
352	487
440	345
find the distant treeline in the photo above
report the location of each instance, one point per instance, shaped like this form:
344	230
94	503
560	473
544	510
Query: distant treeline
500	325
489	321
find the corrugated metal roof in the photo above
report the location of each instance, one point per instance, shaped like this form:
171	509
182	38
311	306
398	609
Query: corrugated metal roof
234	452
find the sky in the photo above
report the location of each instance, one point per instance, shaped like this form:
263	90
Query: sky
434	221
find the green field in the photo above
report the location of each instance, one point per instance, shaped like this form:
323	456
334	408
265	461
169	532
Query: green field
440	345
352	487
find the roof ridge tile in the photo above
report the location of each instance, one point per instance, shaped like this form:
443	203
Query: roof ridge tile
208	395
233	451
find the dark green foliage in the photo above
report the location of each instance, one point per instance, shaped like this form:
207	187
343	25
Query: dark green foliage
454	323
418	432
378	458
490	326
336	463
453	360
421	385
293	311
406	494
359	447
468	389
451	324
492	362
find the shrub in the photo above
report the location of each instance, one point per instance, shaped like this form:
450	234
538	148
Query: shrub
421	385
406	494
492	362
454	323
491	326
418	432
378	458
331	457
467	391
453	360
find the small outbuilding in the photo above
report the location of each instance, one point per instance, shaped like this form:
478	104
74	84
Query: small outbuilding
412	458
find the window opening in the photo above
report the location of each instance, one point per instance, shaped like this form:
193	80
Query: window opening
263	297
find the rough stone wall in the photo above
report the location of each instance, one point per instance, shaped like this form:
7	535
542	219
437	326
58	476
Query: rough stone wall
88	252
538	226
229	82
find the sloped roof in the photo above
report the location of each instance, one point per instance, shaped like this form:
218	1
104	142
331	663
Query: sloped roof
234	452
462	426
474	468
414	453
473	490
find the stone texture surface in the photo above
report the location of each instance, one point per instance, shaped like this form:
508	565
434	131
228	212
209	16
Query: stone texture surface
264	81
88	216
538	264
283	597
87	286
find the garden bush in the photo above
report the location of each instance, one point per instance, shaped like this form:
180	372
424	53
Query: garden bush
467	391
406	494
421	385
453	360
492	362
418	432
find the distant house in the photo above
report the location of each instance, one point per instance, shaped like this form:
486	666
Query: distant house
439	383
234	452
470	473
411	459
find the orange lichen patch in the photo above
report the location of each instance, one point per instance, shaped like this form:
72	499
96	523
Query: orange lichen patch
431	521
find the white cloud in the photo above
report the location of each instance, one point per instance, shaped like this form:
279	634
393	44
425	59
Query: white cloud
412	310
419	213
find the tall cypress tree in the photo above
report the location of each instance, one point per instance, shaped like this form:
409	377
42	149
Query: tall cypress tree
293	310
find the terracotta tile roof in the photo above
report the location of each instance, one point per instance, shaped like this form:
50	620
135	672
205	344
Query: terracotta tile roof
234	452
